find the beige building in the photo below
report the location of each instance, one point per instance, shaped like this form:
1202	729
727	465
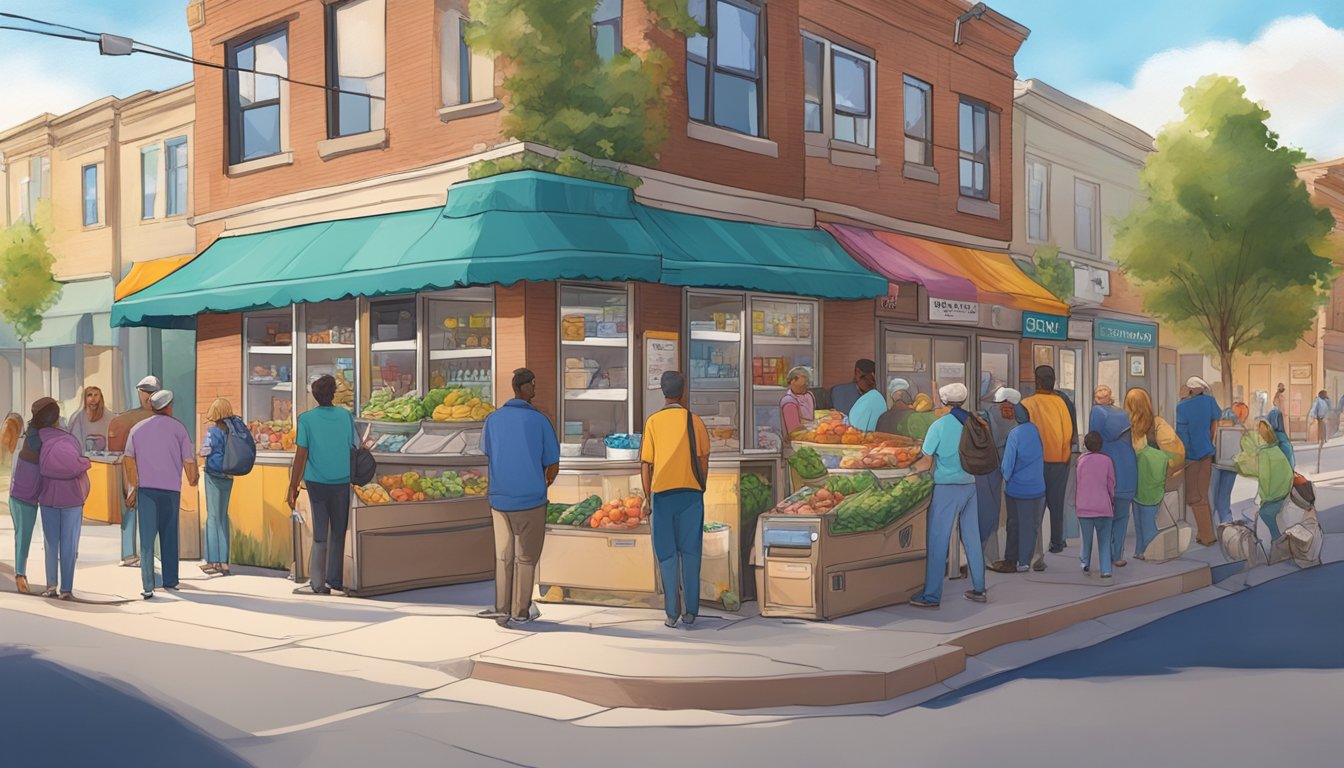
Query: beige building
114	178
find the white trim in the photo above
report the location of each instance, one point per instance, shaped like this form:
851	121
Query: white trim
977	207
355	142
260	164
728	138
919	172
474	109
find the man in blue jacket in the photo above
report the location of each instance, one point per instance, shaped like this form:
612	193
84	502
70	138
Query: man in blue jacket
1113	425
1023	468
1196	417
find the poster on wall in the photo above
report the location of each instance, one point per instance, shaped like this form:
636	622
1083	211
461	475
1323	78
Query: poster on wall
1068	373
900	362
951	311
1137	365
660	354
1299	374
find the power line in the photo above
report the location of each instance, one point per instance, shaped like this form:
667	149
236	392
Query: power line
165	53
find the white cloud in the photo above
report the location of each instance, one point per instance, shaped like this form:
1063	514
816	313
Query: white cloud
1295	67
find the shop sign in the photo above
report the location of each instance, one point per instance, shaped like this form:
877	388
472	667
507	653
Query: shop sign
951	311
1038	326
1124	332
1299	374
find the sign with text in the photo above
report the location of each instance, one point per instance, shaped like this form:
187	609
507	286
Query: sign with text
1038	326
1124	332
952	311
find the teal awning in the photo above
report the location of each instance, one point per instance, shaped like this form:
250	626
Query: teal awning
80	316
702	252
499	230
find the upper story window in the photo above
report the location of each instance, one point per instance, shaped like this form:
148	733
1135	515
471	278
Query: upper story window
1086	201
89	189
176	186
607	28
149	181
1038	201
918	122
973	147
35	187
257	95
814	88
853	86
464	77
725	70
356	67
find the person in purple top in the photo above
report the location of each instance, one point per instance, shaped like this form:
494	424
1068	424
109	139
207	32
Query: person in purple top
158	451
64	487
1112	424
1095	503
25	485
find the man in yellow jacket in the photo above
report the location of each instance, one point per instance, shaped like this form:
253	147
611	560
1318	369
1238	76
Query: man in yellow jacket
1053	414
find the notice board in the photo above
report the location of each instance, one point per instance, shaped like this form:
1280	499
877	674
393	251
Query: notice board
661	353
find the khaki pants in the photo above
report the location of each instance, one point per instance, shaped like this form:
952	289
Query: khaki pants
518	540
1197	477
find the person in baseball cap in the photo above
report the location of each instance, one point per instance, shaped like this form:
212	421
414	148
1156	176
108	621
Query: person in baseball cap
1007	395
149	384
118	432
158	452
1196	416
1196	385
160	400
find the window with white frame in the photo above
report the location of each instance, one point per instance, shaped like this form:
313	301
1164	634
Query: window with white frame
725	70
176	167
89	192
607	29
973	148
1038	201
852	76
149	181
35	187
814	88
1086	201
464	77
256	95
918	122
356	67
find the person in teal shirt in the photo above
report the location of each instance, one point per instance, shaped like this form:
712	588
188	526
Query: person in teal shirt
326	434
870	405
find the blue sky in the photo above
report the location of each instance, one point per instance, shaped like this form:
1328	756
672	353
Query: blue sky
1129	56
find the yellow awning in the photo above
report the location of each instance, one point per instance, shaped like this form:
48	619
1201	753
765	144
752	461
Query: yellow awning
992	273
146	273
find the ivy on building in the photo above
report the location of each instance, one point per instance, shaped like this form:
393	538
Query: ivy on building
28	285
1053	273
563	95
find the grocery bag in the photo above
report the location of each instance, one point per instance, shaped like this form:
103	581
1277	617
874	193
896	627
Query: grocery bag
1239	543
1173	534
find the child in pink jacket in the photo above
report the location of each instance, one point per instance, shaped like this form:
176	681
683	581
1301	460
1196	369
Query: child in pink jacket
1095	502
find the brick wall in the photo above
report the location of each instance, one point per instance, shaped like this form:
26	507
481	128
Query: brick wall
219	361
848	333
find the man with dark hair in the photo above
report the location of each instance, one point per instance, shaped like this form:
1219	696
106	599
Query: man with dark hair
844	396
1052	413
524	458
675	456
326	434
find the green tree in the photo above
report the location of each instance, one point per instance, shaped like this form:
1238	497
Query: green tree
1052	272
563	95
28	286
1228	247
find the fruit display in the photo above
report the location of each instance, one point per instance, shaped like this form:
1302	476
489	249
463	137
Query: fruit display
879	507
624	513
417	486
810	501
457	404
373	493
474	483
273	435
757	496
383	407
830	429
884	455
579	513
807	463
390	444
850	485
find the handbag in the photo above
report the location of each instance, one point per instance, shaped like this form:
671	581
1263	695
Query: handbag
695	454
363	467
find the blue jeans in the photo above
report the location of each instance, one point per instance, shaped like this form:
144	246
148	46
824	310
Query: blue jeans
1101	526
217	492
1024	525
1223	480
678	535
1120	525
951	505
128	531
1145	526
25	519
60	529
988	493
1269	512
159	512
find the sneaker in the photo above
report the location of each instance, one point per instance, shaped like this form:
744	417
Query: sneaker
670	622
976	597
1055	549
309	589
131	562
1023	568
491	613
688	619
147	595
1086	567
920	602
1005	566
533	613
1120	563
503	621
1039	565
1105	576
174	587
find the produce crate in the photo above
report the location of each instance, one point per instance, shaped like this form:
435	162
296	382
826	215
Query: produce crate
884	515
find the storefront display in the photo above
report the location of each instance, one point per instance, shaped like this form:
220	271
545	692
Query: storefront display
268	397
461	342
715	357
595	362
393	348
327	346
784	335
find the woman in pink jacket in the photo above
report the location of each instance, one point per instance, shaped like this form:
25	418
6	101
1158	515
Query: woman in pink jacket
25	483
65	486
1095	502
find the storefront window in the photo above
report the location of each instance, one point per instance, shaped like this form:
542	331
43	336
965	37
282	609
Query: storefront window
783	335
329	349
996	368
392	346
924	363
595	362
461	342
268	398
715	367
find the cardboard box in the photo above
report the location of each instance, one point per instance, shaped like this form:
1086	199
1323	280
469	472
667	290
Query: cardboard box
572	328
619	376
578	379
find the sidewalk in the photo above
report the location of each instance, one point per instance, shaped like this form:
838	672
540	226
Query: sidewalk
589	659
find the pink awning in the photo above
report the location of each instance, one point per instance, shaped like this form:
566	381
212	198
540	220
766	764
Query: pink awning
865	247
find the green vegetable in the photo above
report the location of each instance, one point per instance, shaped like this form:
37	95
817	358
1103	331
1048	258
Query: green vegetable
879	507
850	485
757	496
807	463
577	514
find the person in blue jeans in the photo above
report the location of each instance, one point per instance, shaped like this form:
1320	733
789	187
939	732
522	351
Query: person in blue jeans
1152	486
158	451
218	486
1023	468
1095	503
1112	424
953	504
326	434
1224	466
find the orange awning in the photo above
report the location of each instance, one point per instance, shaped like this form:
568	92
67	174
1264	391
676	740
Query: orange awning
146	273
997	279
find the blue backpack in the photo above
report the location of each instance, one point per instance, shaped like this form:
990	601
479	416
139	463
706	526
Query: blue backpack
240	449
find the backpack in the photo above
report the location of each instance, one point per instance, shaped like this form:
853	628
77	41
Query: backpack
240	448
977	451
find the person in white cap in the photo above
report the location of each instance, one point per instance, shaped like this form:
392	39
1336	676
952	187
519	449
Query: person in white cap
158	451
1195	419
117	431
953	503
1023	468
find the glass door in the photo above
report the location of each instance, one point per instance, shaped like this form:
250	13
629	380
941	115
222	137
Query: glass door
783	335
595	362
715	357
998	368
461	342
268	397
392	345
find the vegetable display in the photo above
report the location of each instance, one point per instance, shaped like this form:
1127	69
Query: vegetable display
757	496
273	435
554	513
850	485
884	455
810	501
456	404
577	514
383	407
807	463
623	513
879	507
429	486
